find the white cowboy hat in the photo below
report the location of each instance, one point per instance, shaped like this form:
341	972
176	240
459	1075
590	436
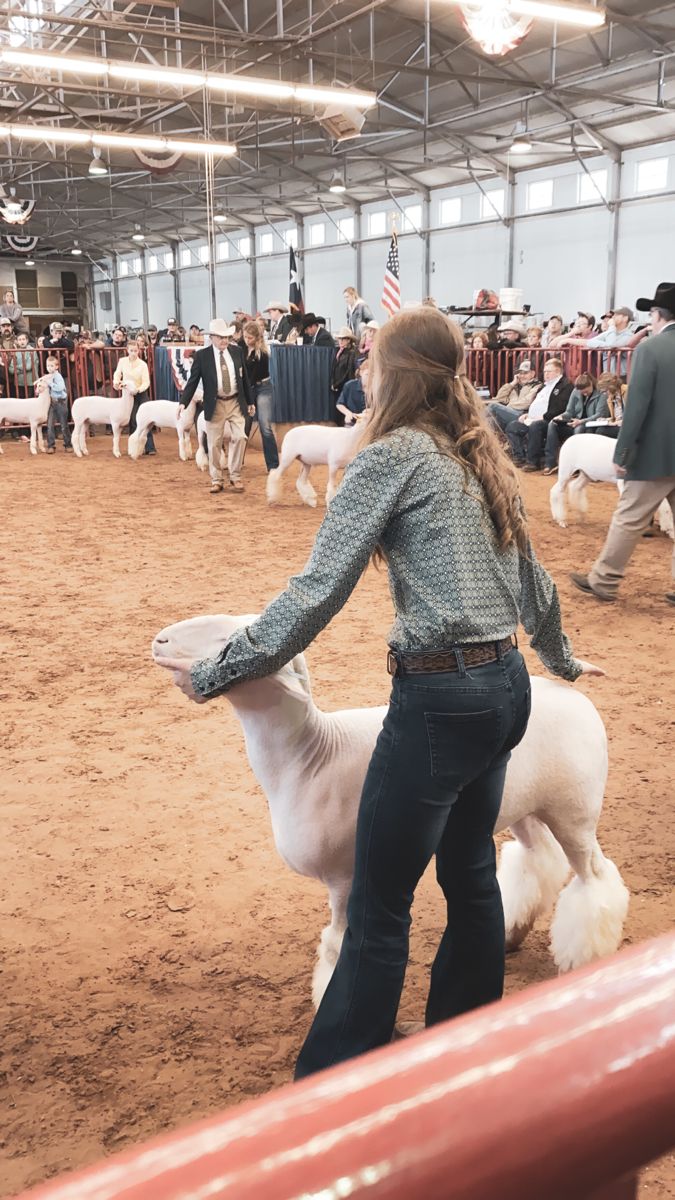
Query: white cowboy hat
276	304
346	332
221	328
515	325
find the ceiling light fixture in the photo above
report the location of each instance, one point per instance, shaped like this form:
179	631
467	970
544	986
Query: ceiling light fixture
243	85
122	141
337	184
76	249
546	10
97	166
30	262
520	145
220	218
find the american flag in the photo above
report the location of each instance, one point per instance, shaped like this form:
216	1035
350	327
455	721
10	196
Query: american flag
391	291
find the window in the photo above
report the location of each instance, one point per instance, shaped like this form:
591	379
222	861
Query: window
27	288
317	234
203	253
266	243
651	175
68	288
223	251
345	229
291	238
244	247
492	207
124	268
186	257
377	224
168	260
592	186
539	194
153	263
451	210
138	265
412	218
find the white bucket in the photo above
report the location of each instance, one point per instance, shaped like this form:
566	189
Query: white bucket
511	299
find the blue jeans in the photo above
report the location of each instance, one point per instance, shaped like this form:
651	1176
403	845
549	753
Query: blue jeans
433	787
58	414
139	399
503	415
557	433
263	408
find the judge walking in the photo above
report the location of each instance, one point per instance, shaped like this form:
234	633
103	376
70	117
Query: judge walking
219	368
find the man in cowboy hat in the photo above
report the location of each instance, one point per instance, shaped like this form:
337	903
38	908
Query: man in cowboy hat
645	449
314	333
512	333
219	368
280	321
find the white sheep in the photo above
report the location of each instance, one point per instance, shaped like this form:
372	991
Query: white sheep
311	766
202	455
314	445
104	410
589	458
164	414
33	411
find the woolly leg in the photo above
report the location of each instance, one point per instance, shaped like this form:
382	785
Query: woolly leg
274	485
187	446
33	437
578	494
590	914
532	870
134	444
116	428
304	486
557	502
41	441
331	940
332	484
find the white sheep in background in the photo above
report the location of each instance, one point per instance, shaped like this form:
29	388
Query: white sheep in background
33	411
311	766
589	458
314	445
164	414
202	455
104	410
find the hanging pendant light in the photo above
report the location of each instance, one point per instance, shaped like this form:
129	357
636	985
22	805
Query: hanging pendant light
494	26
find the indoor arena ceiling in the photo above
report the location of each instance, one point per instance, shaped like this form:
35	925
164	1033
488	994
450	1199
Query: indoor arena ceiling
446	111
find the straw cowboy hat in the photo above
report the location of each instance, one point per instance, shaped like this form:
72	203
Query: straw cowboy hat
221	328
346	332
515	325
279	304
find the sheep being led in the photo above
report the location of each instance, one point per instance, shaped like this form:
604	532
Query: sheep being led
202	455
103	410
33	411
314	445
589	458
311	766
164	414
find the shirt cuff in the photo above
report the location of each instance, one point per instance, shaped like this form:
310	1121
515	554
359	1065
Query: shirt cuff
207	677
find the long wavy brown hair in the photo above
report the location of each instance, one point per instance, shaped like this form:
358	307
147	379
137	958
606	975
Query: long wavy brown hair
418	380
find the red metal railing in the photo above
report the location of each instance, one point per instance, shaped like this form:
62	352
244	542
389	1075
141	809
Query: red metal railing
491	369
563	1092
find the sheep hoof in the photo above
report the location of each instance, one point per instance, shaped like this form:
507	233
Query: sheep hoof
115	452
33	450
310	500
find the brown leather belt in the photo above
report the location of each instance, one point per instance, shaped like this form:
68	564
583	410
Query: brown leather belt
427	662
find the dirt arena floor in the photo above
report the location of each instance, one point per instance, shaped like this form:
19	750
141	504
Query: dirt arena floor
156	954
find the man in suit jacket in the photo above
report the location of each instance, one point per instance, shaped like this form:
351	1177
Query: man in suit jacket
219	370
527	435
314	333
645	449
280	322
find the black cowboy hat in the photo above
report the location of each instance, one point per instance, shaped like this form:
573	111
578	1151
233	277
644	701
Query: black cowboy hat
664	298
310	319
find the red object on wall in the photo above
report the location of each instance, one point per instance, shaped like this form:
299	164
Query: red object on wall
559	1092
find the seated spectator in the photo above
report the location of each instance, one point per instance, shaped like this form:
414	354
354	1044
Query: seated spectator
368	337
512	333
553	328
605	321
533	337
527	435
515	398
581	331
614	390
280	322
345	361
353	396
166	335
7	339
479	340
195	336
585	403
314	333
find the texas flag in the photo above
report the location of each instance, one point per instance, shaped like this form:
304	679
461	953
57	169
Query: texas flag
294	289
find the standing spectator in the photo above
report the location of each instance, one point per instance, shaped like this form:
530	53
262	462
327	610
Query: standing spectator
533	337
527	435
479	340
280	320
153	335
554	328
167	334
345	361
258	370
7	338
513	399
619	333
195	336
358	312
512	334
12	311
314	333
584	404
131	371
118	338
227	398
645	450
606	321
24	368
58	408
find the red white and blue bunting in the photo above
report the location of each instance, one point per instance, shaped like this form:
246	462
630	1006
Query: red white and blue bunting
180	358
16	212
20	243
159	161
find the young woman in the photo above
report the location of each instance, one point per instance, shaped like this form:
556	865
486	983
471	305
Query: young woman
344	363
358	312
432	494
612	386
258	369
133	371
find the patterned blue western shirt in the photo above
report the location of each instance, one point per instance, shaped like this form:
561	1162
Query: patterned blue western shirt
450	583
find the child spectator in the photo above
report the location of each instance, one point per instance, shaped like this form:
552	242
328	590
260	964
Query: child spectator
58	408
353	395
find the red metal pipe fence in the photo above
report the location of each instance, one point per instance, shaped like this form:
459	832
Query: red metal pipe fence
561	1092
491	369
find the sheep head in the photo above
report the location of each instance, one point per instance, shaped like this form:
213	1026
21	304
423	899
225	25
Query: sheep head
206	637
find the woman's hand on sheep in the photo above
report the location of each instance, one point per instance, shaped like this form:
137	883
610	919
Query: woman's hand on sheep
588	668
181	668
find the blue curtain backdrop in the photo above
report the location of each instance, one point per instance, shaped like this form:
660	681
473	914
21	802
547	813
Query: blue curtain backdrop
300	382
